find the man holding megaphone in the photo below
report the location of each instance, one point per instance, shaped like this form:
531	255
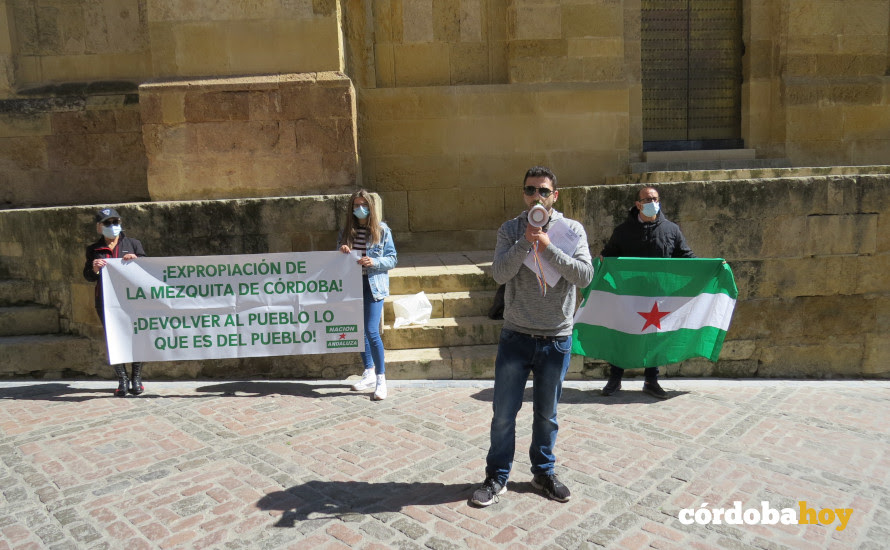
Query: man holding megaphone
537	333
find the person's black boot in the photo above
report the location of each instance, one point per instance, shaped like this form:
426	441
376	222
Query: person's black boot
136	387
614	383
121	372
652	387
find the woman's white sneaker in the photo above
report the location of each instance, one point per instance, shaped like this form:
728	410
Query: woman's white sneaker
380	392
367	382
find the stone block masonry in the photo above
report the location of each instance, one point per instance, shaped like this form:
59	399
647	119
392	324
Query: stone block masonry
279	135
555	82
184	228
72	146
810	256
807	253
455	156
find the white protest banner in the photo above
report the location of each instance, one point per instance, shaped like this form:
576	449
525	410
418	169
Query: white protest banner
219	307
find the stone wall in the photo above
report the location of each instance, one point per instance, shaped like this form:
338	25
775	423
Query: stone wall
458	98
211	38
284	134
434	43
568	41
816	86
810	257
73	147
58	41
7	51
279	135
45	246
460	42
448	92
451	159
62	41
185	228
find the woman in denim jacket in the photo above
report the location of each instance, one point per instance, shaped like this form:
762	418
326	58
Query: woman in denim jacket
365	234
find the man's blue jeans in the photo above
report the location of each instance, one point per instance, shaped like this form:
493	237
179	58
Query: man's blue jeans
372	357
518	355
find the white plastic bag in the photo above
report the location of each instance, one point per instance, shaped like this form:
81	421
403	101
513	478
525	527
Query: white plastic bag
412	310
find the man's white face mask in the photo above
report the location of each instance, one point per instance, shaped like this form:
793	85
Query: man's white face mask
651	209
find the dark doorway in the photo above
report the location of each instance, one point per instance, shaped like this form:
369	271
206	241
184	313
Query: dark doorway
692	74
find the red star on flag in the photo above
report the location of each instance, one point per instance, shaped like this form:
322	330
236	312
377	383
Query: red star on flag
652	317
343	336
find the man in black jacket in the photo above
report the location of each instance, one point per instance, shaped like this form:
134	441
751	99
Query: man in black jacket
646	233
112	243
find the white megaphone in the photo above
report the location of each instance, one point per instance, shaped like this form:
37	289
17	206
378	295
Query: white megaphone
538	216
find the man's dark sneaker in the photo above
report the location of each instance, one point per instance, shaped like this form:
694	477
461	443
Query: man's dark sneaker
652	388
613	385
552	487
487	493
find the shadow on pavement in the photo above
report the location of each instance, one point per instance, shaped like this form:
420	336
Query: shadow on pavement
621	397
574	395
337	499
61	391
57	392
271	387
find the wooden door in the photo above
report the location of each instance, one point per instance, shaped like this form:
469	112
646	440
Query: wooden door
691	70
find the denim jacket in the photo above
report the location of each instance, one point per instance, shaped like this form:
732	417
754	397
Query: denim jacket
383	257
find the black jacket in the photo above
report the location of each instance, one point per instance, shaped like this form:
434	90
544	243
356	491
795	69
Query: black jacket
98	250
661	238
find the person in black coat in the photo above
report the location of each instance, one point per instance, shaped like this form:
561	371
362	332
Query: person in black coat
112	243
646	233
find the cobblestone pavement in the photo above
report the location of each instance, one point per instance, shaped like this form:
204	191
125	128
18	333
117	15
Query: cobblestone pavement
261	464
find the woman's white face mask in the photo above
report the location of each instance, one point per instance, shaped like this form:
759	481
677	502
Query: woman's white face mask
111	231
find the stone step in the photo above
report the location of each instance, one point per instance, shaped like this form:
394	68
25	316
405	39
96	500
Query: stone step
432	281
454	363
745	173
448	304
443	332
701	165
446	241
28	319
15	292
441	273
699	155
445	363
48	356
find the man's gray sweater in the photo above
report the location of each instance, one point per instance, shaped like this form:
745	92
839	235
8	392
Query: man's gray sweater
525	309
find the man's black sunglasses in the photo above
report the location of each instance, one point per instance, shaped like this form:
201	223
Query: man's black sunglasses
112	221
530	191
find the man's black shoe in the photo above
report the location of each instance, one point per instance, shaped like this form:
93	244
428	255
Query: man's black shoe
652	388
487	493
552	487
613	385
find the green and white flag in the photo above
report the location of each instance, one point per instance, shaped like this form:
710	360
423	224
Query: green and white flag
648	312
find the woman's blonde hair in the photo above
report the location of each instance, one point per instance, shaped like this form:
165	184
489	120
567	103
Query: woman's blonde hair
373	226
